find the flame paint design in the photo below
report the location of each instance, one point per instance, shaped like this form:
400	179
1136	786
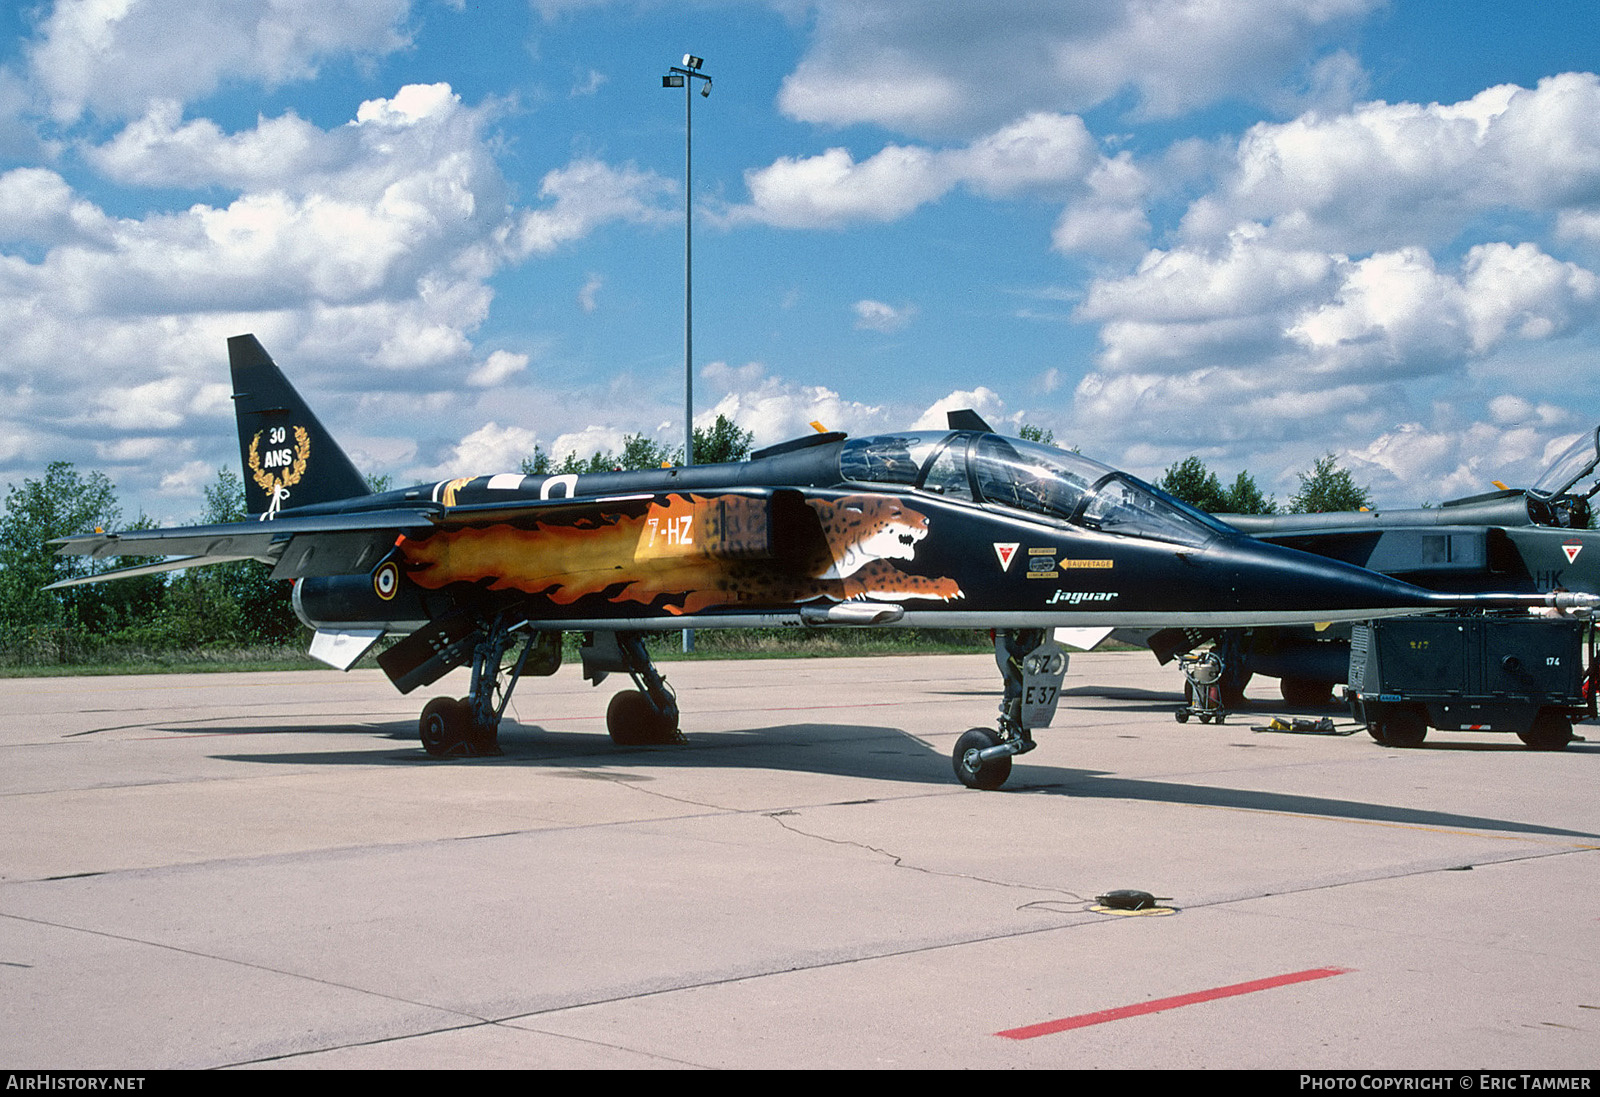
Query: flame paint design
687	554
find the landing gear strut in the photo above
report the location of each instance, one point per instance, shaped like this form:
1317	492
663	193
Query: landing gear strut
1033	670
647	716
469	727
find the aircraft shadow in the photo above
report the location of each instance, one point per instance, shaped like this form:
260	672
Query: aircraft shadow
1104	787
876	753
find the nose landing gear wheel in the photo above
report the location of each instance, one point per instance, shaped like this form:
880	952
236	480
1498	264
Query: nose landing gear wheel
634	721
974	773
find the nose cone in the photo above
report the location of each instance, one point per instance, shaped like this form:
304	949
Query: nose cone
1276	583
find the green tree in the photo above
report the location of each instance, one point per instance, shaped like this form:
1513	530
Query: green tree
64	503
538	464
1195	484
1245	498
722	443
642	452
1031	433
1328	487
235	603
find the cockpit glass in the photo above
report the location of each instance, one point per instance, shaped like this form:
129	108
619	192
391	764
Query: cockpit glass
888	458
1030	477
1041	480
1121	504
1576	462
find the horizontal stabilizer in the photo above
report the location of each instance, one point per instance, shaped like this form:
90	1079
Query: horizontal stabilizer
146	569
262	541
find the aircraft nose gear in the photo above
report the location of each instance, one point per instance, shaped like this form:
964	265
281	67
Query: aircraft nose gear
469	727
1033	671
647	716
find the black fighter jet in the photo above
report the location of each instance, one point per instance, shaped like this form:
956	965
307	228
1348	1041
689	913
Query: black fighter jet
946	528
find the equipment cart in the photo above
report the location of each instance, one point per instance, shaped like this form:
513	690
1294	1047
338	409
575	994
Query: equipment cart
1481	673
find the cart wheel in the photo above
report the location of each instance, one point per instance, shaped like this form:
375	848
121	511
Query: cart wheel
1550	731
1403	728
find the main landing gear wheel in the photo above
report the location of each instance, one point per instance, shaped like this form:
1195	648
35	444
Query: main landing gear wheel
972	772
446	728
634	721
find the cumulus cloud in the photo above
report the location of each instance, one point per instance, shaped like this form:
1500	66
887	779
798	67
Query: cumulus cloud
775	409
1262	336
489	447
928	66
586	194
983	400
360	255
1465	459
114	59
1048	152
588	442
1327	274
589	292
500	366
877	316
1384	173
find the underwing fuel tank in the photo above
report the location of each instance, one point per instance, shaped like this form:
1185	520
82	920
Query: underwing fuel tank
379	600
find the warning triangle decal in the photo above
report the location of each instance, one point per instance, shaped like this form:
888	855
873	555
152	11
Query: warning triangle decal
1572	548
1005	551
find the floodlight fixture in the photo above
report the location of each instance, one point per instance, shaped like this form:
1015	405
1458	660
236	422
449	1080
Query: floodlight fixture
690	61
672	80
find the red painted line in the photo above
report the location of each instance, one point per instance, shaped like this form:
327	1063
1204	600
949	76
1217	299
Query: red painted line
1084	1020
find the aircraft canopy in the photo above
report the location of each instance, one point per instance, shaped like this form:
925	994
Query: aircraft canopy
1026	476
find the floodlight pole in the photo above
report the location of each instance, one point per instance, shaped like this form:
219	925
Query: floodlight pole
685	77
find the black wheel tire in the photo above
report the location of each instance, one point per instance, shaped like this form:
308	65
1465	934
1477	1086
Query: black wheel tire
1205	718
1232	691
1181	716
633	721
1375	729
984	775
1305	692
1550	731
443	726
1403	729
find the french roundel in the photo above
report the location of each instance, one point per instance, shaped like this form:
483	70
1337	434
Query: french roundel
386	580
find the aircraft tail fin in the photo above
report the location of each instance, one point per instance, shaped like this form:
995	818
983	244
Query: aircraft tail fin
289	458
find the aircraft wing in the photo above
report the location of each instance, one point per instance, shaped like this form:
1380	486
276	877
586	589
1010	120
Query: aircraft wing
323	544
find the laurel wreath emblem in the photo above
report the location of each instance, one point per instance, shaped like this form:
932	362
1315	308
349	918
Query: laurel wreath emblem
267	481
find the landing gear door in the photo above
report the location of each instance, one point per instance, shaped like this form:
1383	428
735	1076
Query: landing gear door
1043	670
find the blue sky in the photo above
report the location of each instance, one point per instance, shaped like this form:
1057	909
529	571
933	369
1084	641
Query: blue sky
1257	231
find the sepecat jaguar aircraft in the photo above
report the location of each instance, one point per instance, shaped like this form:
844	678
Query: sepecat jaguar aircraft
946	528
